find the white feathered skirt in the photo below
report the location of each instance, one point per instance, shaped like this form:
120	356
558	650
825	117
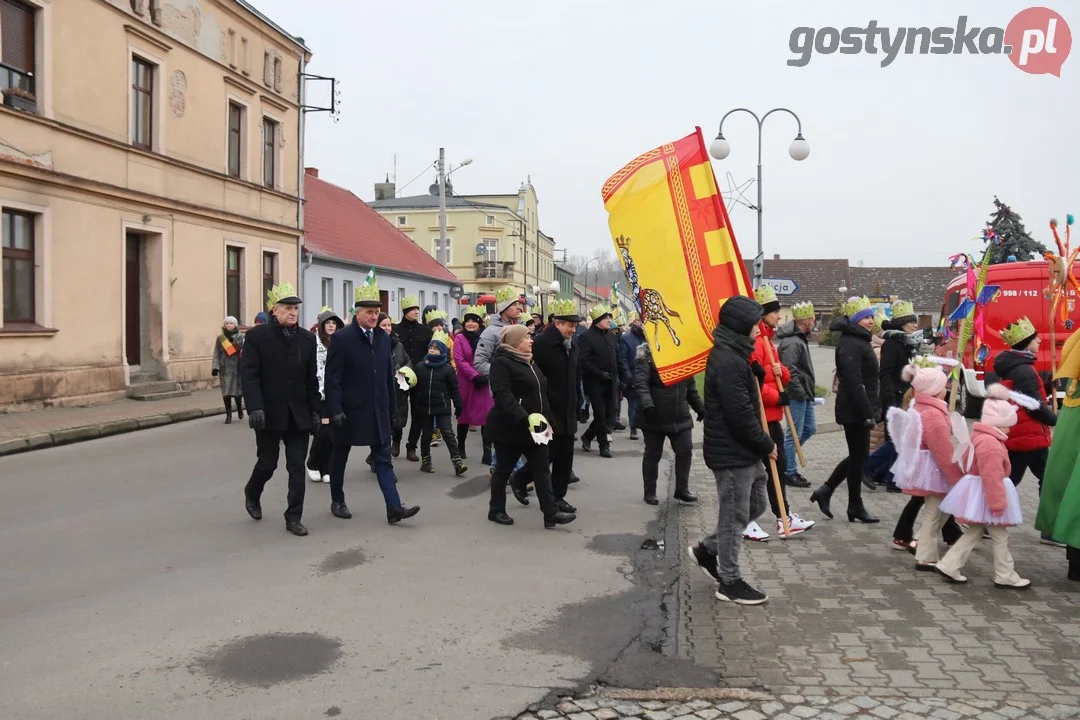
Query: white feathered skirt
922	475
967	503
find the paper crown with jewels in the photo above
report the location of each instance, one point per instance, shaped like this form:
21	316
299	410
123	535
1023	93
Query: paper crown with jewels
599	311
1017	332
476	311
902	309
765	294
563	309
433	315
802	311
856	305
408	302
440	336
280	292
367	295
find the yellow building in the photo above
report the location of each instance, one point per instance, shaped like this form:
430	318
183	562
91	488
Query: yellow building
491	240
150	163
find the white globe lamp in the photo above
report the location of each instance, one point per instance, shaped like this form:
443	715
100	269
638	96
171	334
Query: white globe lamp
720	148
799	149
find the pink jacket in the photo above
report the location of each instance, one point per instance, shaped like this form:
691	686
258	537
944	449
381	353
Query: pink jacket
936	437
991	463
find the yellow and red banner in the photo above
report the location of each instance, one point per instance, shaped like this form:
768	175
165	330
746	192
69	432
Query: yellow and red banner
674	240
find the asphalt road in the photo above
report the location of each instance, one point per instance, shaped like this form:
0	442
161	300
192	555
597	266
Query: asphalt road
133	585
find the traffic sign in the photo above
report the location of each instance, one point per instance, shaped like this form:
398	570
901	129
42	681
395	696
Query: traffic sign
457	292
782	286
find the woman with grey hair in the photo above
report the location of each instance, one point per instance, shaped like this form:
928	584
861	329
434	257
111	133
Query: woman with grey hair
226	366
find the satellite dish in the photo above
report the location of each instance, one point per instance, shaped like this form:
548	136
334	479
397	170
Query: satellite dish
481	248
433	189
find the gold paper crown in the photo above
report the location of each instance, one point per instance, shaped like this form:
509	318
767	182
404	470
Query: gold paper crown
409	301
879	320
440	336
902	308
802	311
765	294
275	294
478	310
434	314
562	307
599	311
505	294
1017	332
366	293
855	305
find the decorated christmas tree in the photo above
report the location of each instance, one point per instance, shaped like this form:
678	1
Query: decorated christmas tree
1016	243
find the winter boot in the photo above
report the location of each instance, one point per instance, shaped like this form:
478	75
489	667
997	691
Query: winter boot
605	450
1073	554
425	464
410	455
395	448
821	496
228	410
239	407
460	468
486	459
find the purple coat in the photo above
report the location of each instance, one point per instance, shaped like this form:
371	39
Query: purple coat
476	402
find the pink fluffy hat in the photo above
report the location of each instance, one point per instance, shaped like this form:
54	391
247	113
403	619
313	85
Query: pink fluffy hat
998	408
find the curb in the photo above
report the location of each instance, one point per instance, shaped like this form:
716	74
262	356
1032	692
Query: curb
67	436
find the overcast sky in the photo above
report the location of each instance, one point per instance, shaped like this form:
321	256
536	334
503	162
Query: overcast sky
905	160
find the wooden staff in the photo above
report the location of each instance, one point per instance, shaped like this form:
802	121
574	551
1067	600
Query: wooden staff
787	409
1053	345
772	466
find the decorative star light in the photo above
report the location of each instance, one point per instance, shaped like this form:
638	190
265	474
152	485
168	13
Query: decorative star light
737	193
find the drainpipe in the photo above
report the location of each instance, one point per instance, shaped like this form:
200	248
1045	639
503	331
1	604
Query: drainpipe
300	96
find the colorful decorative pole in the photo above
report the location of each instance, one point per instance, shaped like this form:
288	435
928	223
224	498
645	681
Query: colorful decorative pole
978	296
1062	280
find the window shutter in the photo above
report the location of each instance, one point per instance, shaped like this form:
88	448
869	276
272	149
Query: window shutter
17	26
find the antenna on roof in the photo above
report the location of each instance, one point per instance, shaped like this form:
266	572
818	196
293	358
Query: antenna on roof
395	168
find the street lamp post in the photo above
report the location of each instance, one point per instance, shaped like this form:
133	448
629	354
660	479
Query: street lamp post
442	198
799	149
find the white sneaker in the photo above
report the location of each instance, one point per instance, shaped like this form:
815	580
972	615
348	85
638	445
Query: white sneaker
313	475
796	526
754	532
326	478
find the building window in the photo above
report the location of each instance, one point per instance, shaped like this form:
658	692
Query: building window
18	260
269	272
442	251
142	103
402	221
328	292
347	298
489	220
491	250
236	138
446	301
17	62
270	134
234	264
423	302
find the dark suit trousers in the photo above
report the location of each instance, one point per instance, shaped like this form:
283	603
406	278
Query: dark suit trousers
506	457
682	444
268	446
561	450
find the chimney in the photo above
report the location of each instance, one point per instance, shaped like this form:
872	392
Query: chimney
385	190
313	172
776	256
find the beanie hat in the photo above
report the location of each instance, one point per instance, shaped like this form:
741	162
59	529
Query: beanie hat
512	335
997	410
925	380
740	314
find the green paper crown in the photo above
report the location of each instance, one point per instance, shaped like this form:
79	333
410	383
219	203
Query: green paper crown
409	301
879	320
925	362
276	293
478	310
902	308
366	292
856	304
599	311
440	336
802	311
1016	332
765	294
562	307
434	314
506	294
326	308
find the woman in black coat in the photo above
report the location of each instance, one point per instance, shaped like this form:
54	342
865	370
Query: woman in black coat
519	390
858	407
663	412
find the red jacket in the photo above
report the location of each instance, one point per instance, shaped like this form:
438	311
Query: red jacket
1016	371
770	391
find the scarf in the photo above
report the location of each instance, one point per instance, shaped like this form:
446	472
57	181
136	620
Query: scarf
436	361
473	338
517	354
289	333
227	338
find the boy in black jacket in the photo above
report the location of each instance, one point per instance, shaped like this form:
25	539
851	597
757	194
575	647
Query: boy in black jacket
435	395
735	443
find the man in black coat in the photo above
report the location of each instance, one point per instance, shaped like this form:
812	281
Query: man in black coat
360	396
735	441
599	348
281	390
414	336
556	355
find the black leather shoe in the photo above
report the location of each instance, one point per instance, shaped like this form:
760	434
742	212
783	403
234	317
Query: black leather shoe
401	513
586	445
798	481
685	496
861	514
564	506
340	510
520	493
651	500
559	518
573	478
500	518
605	451
296	528
253	509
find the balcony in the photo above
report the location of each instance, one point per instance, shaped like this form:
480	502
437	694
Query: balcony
494	270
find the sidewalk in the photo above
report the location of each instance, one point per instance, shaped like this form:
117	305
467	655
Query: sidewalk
38	429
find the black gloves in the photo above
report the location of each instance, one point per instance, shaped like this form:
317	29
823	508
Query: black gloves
784	400
759	371
214	372
701	417
257	420
338	420
480	381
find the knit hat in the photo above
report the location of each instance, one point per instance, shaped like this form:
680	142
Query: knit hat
512	335
740	314
926	380
262	318
229	319
998	413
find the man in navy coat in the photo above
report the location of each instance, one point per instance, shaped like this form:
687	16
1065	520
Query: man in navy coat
360	395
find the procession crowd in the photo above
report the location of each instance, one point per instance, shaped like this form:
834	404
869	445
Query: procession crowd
524	385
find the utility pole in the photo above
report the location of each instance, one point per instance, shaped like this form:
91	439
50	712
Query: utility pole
442	204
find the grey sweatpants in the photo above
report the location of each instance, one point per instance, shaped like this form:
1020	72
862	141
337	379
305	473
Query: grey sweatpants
742	498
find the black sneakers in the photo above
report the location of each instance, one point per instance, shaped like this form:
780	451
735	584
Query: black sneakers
705	560
740	593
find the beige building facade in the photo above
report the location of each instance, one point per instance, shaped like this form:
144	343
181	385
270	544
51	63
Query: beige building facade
150	163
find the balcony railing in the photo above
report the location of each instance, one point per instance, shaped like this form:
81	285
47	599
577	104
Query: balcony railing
494	269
